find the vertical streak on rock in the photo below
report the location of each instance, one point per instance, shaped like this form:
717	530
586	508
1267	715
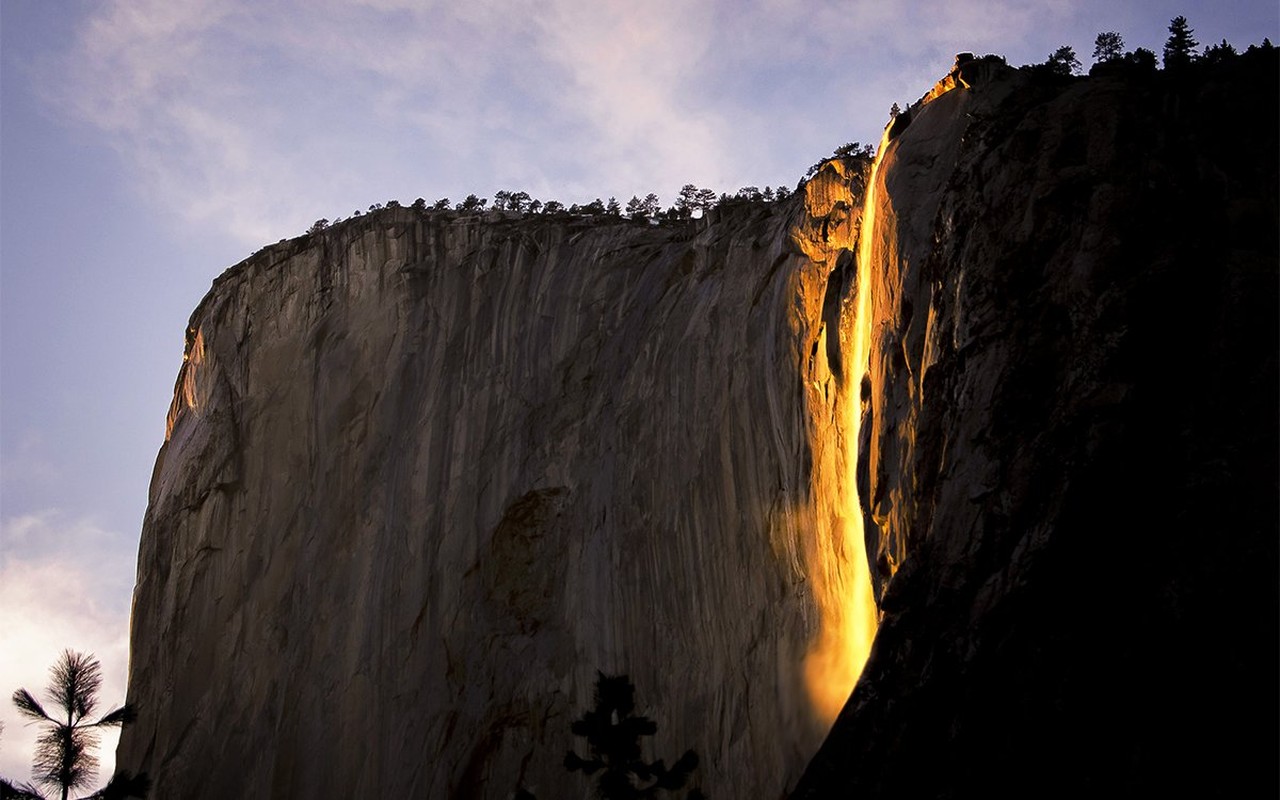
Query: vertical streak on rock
838	560
187	395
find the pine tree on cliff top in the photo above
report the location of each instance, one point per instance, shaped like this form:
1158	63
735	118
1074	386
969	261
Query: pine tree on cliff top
1180	47
1108	46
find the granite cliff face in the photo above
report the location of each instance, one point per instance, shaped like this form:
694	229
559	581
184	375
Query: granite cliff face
1069	448
427	473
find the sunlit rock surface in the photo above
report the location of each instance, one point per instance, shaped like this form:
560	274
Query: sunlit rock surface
426	474
1069	459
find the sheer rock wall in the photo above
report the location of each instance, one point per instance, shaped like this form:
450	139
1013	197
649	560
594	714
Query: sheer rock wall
427	473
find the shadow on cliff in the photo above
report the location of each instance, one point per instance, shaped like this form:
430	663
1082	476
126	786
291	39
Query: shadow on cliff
613	732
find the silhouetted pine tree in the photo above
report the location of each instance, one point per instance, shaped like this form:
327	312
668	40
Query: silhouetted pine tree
613	733
1180	48
64	758
1108	46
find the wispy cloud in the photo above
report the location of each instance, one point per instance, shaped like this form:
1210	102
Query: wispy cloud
64	583
634	73
27	462
255	118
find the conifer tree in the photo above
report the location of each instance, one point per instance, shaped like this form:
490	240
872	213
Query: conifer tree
518	201
613	732
1180	47
1063	61
64	758
1108	46
1219	53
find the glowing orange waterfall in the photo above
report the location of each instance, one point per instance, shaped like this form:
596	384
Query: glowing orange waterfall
838	563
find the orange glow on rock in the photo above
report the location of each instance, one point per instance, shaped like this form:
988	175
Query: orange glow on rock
186	393
838	565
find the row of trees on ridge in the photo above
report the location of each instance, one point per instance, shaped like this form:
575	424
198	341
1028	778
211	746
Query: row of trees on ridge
691	202
1108	48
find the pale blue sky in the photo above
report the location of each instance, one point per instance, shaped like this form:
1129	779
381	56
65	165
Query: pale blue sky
146	145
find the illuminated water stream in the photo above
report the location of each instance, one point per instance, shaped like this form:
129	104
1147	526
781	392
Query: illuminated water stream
840	572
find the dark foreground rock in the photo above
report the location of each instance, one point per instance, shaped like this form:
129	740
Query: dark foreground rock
1071	449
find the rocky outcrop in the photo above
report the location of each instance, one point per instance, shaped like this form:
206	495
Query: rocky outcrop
427	473
1069	449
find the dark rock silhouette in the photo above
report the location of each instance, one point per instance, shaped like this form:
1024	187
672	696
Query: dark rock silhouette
1070	450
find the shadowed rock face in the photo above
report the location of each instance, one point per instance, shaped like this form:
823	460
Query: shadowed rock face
1069	452
426	474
